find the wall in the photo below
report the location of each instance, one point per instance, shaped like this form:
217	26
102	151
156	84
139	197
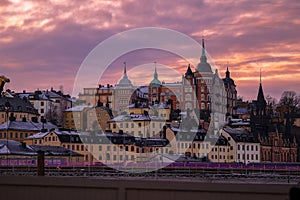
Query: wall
48	188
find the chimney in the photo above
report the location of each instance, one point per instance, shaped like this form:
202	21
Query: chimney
23	145
12	117
34	119
24	119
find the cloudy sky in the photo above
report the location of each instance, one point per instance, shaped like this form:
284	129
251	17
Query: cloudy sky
43	43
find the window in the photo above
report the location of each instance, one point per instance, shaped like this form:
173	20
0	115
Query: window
239	147
100	148
42	110
42	103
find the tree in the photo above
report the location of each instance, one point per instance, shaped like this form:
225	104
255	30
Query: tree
271	103
290	100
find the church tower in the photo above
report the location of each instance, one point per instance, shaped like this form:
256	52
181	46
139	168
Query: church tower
123	92
155	88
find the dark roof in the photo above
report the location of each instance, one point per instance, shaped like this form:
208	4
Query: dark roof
241	135
26	126
54	150
17	105
189	71
12	147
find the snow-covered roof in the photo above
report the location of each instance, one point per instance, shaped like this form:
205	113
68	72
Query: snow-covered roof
78	108
136	117
28	126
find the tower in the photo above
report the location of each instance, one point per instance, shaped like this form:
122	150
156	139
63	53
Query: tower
155	88
231	93
123	92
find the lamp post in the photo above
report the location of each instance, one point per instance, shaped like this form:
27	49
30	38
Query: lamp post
7	107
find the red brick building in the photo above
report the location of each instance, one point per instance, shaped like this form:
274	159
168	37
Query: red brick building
275	147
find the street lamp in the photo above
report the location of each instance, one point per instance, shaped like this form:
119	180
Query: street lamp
7	107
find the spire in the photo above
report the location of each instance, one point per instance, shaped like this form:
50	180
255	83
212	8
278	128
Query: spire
124	81
227	73
203	58
203	66
260	76
125	68
261	102
155	72
155	80
189	71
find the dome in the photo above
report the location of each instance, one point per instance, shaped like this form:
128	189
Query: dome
204	67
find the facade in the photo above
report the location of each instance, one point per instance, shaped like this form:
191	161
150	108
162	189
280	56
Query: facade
137	125
75	118
276	147
231	94
123	94
245	147
16	153
67	139
222	151
19	130
97	118
19	108
50	104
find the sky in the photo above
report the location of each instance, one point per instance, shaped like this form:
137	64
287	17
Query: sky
44	43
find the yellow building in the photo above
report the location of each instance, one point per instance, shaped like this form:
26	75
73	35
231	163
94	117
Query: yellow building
110	148
19	130
13	153
193	143
68	139
138	125
18	109
75	118
222	151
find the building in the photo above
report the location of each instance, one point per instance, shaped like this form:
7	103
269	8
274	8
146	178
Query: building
75	118
19	130
231	94
50	104
98	117
70	140
123	93
137	125
222	151
246	147
13	153
17	108
277	147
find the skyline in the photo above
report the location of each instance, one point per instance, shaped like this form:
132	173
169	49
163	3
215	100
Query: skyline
45	40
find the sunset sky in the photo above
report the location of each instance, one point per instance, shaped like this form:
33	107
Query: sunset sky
43	43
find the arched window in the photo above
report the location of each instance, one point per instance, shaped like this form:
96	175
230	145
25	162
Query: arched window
188	105
202	106
202	97
188	97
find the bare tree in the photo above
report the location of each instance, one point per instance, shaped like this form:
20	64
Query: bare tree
291	100
271	103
